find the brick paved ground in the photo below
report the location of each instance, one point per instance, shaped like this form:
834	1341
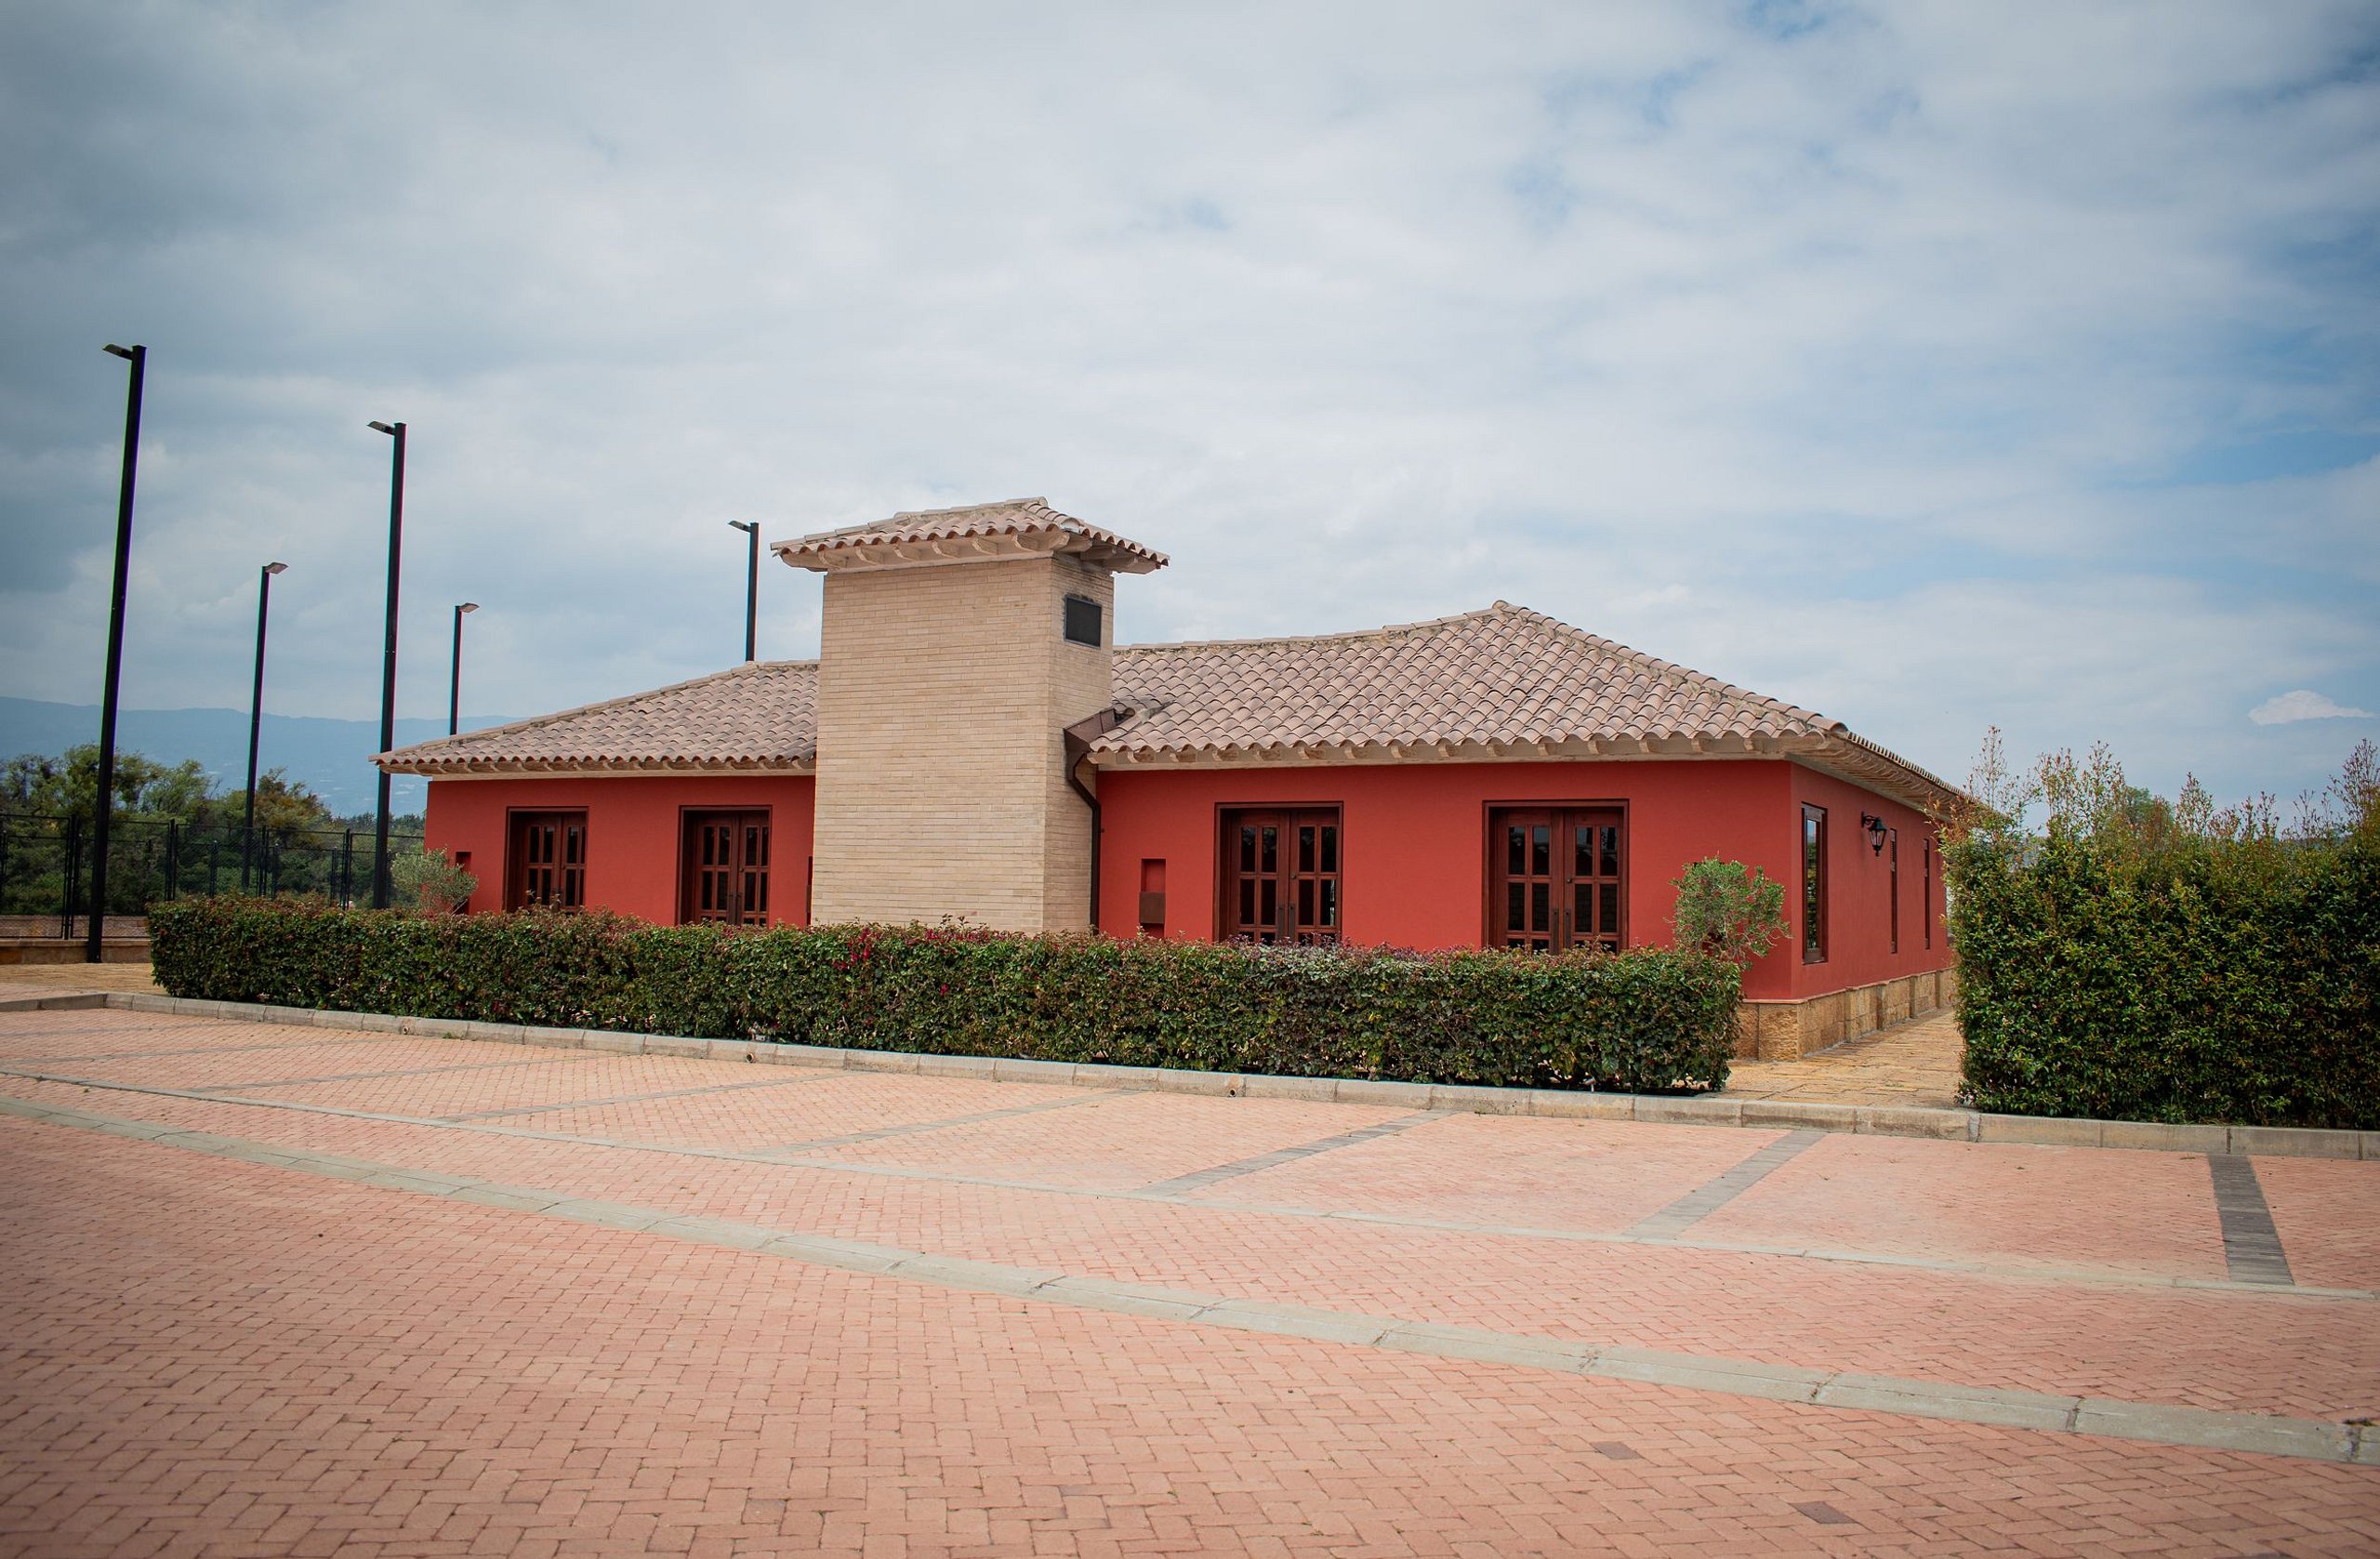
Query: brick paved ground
200	1353
1916	1063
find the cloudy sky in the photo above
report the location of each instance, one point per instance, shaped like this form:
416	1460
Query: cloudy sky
1933	366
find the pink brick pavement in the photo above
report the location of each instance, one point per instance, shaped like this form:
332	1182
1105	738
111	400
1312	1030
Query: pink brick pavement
203	1356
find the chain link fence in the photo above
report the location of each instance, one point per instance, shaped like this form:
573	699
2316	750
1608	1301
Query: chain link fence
45	867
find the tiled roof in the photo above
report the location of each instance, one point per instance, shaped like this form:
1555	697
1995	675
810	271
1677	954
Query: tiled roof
1499	683
1018	526
1495	686
762	715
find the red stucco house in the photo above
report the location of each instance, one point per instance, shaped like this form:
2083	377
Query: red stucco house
971	745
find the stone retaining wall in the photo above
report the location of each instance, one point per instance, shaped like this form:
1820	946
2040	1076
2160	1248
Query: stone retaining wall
1789	1030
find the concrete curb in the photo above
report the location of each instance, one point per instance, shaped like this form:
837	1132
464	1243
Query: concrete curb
66	1001
1768	1115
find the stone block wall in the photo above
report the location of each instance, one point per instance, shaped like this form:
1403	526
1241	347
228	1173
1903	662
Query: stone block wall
1789	1030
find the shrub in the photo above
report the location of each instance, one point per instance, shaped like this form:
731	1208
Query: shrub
433	884
1643	1019
1729	911
2140	960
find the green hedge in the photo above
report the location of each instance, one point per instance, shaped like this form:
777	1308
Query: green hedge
1645	1020
2193	981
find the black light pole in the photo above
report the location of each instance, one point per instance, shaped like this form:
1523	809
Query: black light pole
256	720
751	590
139	357
389	660
455	682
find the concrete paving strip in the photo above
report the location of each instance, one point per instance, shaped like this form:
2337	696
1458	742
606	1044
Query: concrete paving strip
1197	1179
1724	1187
880	1133
2250	1245
2261	1433
634	1097
776	1158
400	1072
193	1049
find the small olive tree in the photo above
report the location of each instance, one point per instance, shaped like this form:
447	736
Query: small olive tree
431	883
1728	910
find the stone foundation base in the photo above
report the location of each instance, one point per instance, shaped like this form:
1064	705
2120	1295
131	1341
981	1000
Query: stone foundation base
1789	1030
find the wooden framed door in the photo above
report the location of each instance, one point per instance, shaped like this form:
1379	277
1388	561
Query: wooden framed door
1557	877
726	874
547	862
1281	876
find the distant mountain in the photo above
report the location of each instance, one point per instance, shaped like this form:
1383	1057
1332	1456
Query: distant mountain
332	758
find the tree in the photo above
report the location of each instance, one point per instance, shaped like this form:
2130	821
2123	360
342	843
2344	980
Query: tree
69	785
284	805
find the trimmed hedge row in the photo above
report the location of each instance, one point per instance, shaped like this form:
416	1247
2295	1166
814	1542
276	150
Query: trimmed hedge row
2192	984
1638	1021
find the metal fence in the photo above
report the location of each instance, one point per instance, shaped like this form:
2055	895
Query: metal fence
45	867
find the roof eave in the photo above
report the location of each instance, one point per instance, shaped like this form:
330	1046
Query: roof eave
613	768
1847	758
829	555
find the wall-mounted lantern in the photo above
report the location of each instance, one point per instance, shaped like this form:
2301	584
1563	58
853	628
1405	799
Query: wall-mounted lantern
1875	826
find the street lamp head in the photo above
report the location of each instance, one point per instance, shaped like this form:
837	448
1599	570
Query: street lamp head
467	606
124	352
381	427
276	568
750	527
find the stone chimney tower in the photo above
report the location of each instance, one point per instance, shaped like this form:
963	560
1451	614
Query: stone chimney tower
958	645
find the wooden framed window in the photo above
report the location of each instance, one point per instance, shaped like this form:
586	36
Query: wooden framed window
1813	884
1926	905
1281	876
726	878
1557	877
1892	879
547	861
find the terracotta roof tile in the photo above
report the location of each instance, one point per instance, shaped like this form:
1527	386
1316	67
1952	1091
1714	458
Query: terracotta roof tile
1504	681
1029	521
1497	683
1502	675
760	715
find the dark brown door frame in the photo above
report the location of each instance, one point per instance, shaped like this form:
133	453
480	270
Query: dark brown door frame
516	865
1491	924
1226	922
738	868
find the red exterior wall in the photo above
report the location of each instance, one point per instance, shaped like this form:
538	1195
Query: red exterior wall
1859	891
1415	851
634	832
1414	842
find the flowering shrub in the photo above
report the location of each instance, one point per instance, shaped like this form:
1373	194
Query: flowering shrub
1643	1019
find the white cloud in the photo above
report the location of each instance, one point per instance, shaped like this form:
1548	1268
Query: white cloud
2287	709
1850	364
